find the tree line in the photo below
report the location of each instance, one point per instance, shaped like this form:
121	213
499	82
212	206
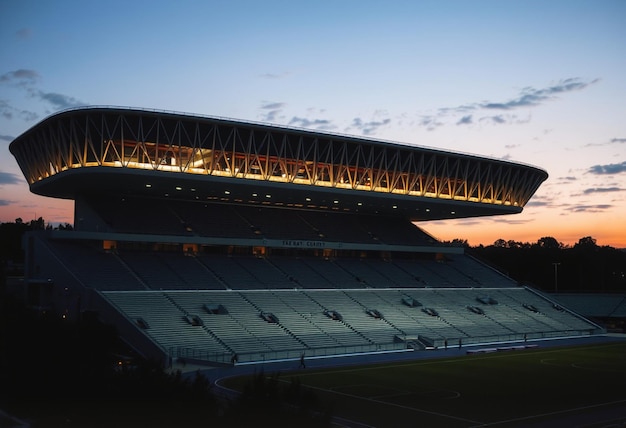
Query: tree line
553	266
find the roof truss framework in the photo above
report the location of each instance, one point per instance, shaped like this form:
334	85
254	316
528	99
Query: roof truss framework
215	147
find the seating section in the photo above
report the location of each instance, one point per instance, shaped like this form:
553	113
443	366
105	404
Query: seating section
95	267
214	306
125	269
166	321
595	305
302	325
172	270
185	218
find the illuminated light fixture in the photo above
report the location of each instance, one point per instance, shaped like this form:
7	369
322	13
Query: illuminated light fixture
192	189
148	185
427	210
255	195
394	207
335	202
268	196
308	199
226	192
452	212
360	203
166	195
179	188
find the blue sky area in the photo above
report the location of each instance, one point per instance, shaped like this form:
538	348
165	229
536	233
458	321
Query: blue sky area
534	81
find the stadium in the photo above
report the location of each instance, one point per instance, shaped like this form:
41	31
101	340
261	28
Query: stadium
222	242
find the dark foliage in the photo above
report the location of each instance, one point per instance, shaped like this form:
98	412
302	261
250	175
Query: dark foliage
56	372
549	265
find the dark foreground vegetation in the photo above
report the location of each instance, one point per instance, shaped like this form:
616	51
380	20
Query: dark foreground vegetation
55	372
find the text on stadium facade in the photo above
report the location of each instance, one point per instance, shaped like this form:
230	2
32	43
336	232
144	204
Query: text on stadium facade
301	244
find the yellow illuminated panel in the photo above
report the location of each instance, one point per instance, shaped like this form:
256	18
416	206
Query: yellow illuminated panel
281	158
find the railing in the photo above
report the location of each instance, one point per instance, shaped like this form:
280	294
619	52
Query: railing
507	338
202	356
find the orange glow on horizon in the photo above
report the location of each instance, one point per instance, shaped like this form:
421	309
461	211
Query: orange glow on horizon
487	231
603	227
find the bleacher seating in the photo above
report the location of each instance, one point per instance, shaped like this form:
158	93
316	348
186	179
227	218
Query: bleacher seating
595	305
223	303
186	218
94	267
302	322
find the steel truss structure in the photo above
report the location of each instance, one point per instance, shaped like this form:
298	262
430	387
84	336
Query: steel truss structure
179	143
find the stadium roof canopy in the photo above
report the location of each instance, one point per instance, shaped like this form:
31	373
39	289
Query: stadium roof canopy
162	154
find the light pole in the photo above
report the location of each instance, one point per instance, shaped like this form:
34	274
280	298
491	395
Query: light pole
556	276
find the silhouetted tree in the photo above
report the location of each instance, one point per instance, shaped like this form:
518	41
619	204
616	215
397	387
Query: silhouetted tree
500	243
583	267
587	243
549	242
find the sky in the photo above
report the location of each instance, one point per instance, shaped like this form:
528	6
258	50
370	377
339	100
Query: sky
542	83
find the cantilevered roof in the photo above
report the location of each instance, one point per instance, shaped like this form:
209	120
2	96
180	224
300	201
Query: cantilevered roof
176	155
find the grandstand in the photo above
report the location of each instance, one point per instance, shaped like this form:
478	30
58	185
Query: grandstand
213	240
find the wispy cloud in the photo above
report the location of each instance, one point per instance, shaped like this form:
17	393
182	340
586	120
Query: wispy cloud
430	122
9	112
271	111
465	120
20	77
560	181
5	202
531	97
9	178
511	221
528	97
612	168
303	122
7	138
368	127
538	204
275	75
607	143
603	190
498	119
58	101
28	80
24	33
272	106
591	208
541	201
274	111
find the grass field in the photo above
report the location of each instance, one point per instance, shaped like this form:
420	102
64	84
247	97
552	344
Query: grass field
574	386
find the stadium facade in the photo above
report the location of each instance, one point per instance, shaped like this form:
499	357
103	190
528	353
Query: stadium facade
206	238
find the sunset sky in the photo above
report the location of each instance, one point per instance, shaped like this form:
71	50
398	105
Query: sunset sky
538	82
